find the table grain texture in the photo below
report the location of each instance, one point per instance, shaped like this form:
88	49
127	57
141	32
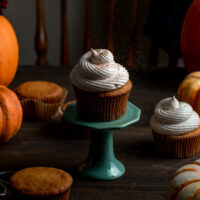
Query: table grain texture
46	143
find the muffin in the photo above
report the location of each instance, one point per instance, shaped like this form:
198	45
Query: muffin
41	183
101	86
40	99
73	131
175	127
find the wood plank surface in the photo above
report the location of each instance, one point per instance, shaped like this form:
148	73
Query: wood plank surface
46	143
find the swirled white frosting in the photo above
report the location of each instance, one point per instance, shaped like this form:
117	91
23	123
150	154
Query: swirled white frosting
98	72
172	117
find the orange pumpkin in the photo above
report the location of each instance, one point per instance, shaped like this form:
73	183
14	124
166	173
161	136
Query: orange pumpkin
10	114
189	90
9	52
190	38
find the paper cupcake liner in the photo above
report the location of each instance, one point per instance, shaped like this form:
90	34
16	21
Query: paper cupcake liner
73	131
18	196
97	107
182	146
38	109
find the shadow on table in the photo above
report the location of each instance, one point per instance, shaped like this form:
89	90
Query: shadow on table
141	150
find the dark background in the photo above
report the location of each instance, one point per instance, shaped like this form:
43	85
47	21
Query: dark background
22	15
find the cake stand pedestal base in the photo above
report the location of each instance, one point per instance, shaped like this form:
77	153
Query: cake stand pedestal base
101	163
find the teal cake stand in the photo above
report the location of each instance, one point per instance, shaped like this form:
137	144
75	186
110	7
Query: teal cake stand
101	163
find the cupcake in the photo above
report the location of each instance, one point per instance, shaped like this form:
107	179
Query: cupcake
40	99
101	86
42	183
73	131
175	127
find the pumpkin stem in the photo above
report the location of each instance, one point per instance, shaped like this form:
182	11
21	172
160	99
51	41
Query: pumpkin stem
3	5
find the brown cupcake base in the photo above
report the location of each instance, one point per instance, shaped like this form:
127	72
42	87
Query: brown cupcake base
182	146
38	109
105	106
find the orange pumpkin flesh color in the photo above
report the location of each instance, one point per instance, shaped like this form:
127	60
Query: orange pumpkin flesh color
9	52
10	114
189	90
190	38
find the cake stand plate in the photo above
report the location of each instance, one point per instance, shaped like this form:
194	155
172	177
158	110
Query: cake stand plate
101	163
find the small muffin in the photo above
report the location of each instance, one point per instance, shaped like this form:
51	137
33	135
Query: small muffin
101	86
40	99
41	183
176	128
74	131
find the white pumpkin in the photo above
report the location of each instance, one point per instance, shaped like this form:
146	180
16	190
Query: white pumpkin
185	184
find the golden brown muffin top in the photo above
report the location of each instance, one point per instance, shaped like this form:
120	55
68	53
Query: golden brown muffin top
39	90
41	181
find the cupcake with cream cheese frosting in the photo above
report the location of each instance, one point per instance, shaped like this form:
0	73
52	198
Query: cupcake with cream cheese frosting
101	86
176	128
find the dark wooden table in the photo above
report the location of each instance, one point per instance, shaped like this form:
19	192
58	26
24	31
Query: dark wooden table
45	143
